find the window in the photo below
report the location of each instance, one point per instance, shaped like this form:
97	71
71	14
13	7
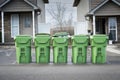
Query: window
27	21
14	25
113	28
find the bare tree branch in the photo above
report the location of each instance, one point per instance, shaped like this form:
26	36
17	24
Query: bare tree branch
59	15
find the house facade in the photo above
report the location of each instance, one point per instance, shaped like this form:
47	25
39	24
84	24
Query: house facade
101	16
20	17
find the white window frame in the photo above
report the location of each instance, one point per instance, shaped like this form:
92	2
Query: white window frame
12	24
115	27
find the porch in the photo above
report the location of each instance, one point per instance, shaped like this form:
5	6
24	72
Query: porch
105	19
17	17
16	23
109	25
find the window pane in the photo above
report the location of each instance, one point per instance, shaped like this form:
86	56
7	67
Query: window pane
112	23
113	34
27	21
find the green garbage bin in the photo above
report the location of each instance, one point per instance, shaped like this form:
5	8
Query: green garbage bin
98	48
23	49
60	49
79	48
42	48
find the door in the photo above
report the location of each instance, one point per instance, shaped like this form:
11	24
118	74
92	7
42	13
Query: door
26	24
14	25
100	26
112	24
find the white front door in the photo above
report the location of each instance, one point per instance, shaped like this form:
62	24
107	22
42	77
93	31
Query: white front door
112	24
14	25
26	24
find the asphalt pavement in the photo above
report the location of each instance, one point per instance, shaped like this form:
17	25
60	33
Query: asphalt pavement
10	70
60	72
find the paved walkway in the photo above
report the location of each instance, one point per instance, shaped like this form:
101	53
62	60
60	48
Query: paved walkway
113	49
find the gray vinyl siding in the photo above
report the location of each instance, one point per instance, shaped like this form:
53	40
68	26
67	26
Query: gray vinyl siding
108	9
82	10
94	3
41	17
17	5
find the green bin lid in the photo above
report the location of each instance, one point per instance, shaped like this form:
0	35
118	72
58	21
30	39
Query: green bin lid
22	38
42	39
100	38
60	39
80	38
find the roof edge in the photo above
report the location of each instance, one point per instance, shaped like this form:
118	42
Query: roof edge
118	3
4	3
76	2
46	1
100	5
31	4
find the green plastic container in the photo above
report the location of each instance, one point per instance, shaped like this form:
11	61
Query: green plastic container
79	49
23	49
60	49
98	45
42	48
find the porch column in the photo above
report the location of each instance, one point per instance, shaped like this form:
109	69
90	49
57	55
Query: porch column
33	20
2	21
94	26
